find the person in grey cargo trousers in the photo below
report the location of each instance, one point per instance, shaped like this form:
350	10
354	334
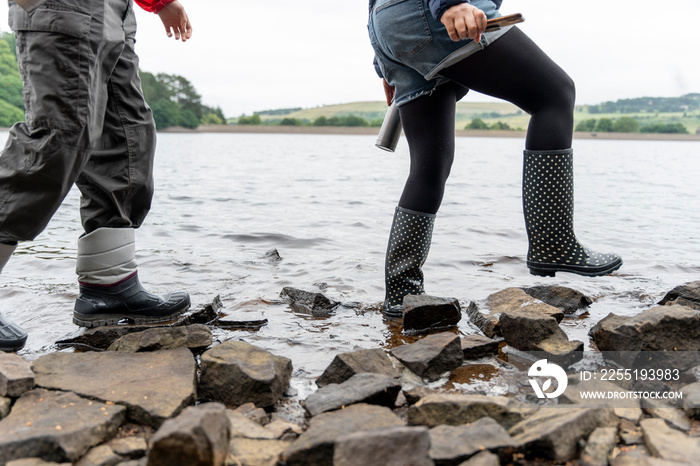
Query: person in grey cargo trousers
88	124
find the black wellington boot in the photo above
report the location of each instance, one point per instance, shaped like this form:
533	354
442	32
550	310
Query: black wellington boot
548	205
12	336
409	244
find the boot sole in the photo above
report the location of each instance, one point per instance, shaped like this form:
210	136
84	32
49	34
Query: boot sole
549	270
101	320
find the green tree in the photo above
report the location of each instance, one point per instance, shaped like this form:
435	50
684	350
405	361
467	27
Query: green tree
166	113
499	125
670	128
291	122
11	101
9	114
604	125
586	125
251	120
320	121
477	123
212	119
626	125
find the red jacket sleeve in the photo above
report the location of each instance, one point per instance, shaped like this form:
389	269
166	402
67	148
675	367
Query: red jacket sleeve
152	5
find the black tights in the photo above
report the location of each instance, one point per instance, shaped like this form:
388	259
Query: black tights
513	68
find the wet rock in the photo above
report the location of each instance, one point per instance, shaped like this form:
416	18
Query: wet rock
668	443
256	452
153	386
484	320
599	445
345	365
422	313
316	304
485	458
686	295
434	410
35	462
662	328
559	351
194	337
56	426
129	447
415	394
242	321
432	356
241	426
315	447
5	404
279	429
450	445
253	413
198	436
361	388
674	417
516	300
526	328
273	255
690	403
555	433
393	446
566	299
100	456
16	376
207	314
237	372
630	433
478	346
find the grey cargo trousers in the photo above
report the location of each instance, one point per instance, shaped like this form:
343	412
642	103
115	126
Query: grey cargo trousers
86	120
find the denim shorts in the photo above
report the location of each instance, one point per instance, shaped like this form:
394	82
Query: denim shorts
412	47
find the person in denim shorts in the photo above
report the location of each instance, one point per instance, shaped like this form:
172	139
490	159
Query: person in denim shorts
430	53
87	124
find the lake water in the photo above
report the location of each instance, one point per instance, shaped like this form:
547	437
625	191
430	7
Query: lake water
326	204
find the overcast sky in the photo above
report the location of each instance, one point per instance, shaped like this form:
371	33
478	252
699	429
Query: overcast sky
257	55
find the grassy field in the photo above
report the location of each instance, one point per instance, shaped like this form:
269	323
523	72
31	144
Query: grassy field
490	112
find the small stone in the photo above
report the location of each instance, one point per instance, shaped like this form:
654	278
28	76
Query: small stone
257	452
478	346
423	313
559	351
130	447
668	443
484	320
16	376
5	404
392	446
345	365
361	388
448	409
485	458
674	417
101	455
691	400
316	304
599	445
253	413
241	426
453	444
199	435
236	372
432	356
194	337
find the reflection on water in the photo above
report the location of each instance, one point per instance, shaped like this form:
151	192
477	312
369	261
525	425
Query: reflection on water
223	201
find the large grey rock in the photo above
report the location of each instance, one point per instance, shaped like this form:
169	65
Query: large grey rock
241	426
566	299
422	313
56	426
153	386
361	388
434	410
691	400
555	433
450	445
515	300
478	346
393	446
668	443
199	436
101	455
559	351
345	365
315	447
256	452
524	329
686	295
598	447
674	417
431	356
16	376
195	337
316	304
237	372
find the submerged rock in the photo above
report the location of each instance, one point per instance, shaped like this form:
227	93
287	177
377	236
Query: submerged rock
195	337
316	304
237	372
16	376
432	356
198	436
56	426
391	446
566	299
361	388
422	313
153	386
345	365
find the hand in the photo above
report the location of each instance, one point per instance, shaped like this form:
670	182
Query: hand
464	21
175	20
388	91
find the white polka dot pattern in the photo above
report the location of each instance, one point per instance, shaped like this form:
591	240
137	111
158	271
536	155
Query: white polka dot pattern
548	205
409	244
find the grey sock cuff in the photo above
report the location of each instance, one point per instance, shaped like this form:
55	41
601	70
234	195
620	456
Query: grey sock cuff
106	256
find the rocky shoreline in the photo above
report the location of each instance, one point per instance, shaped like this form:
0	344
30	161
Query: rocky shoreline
170	395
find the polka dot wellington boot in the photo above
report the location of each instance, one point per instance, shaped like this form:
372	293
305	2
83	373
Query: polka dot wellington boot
548	204
409	243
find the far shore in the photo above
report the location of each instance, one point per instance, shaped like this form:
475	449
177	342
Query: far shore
373	131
